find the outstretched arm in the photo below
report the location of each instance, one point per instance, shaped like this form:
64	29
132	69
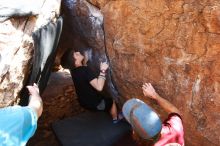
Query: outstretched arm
35	101
98	83
149	91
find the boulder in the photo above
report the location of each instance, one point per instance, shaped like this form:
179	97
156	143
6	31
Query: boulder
17	45
172	44
175	46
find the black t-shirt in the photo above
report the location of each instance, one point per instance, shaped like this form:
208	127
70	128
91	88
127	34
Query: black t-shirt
88	96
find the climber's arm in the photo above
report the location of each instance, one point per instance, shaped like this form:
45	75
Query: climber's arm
98	83
149	91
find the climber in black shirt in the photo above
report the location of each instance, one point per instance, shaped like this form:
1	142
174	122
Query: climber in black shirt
88	86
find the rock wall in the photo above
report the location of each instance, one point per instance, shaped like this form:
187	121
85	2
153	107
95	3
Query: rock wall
174	45
16	45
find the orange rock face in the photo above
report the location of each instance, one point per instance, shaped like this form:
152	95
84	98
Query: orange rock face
176	46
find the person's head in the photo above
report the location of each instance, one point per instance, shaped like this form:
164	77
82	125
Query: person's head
144	121
79	58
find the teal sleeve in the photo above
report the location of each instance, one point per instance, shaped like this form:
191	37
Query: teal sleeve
17	125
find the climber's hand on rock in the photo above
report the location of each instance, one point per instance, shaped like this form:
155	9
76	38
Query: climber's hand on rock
149	90
103	66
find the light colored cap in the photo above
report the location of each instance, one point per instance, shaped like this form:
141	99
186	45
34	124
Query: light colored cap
142	118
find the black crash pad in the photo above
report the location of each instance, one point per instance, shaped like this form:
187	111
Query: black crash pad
90	129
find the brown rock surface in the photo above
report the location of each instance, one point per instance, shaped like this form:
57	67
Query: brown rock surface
175	45
16	49
98	3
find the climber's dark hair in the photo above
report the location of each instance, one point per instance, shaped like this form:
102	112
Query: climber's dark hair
67	60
